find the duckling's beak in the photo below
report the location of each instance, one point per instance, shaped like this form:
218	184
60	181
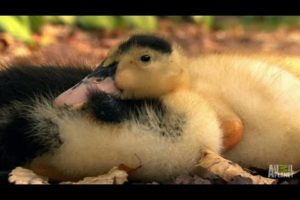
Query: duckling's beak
102	79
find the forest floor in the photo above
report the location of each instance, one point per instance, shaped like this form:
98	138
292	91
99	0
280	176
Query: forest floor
193	38
65	41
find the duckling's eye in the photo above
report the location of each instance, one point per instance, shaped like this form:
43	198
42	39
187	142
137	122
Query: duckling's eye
145	58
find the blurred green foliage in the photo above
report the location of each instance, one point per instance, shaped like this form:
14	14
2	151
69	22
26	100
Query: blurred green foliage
266	23
22	27
98	22
270	22
18	26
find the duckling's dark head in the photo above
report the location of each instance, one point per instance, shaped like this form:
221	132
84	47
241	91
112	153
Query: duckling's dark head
144	66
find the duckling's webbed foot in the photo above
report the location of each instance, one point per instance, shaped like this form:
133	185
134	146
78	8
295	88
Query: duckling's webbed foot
233	131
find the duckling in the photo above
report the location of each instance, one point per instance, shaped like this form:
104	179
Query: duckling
252	104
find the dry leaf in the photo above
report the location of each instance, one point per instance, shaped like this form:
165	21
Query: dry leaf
114	176
228	170
130	169
21	175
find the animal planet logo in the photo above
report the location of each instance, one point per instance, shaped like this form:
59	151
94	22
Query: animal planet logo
281	171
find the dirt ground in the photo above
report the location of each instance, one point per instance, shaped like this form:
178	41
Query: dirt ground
194	39
91	47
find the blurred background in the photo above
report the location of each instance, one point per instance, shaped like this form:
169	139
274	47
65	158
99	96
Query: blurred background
92	36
